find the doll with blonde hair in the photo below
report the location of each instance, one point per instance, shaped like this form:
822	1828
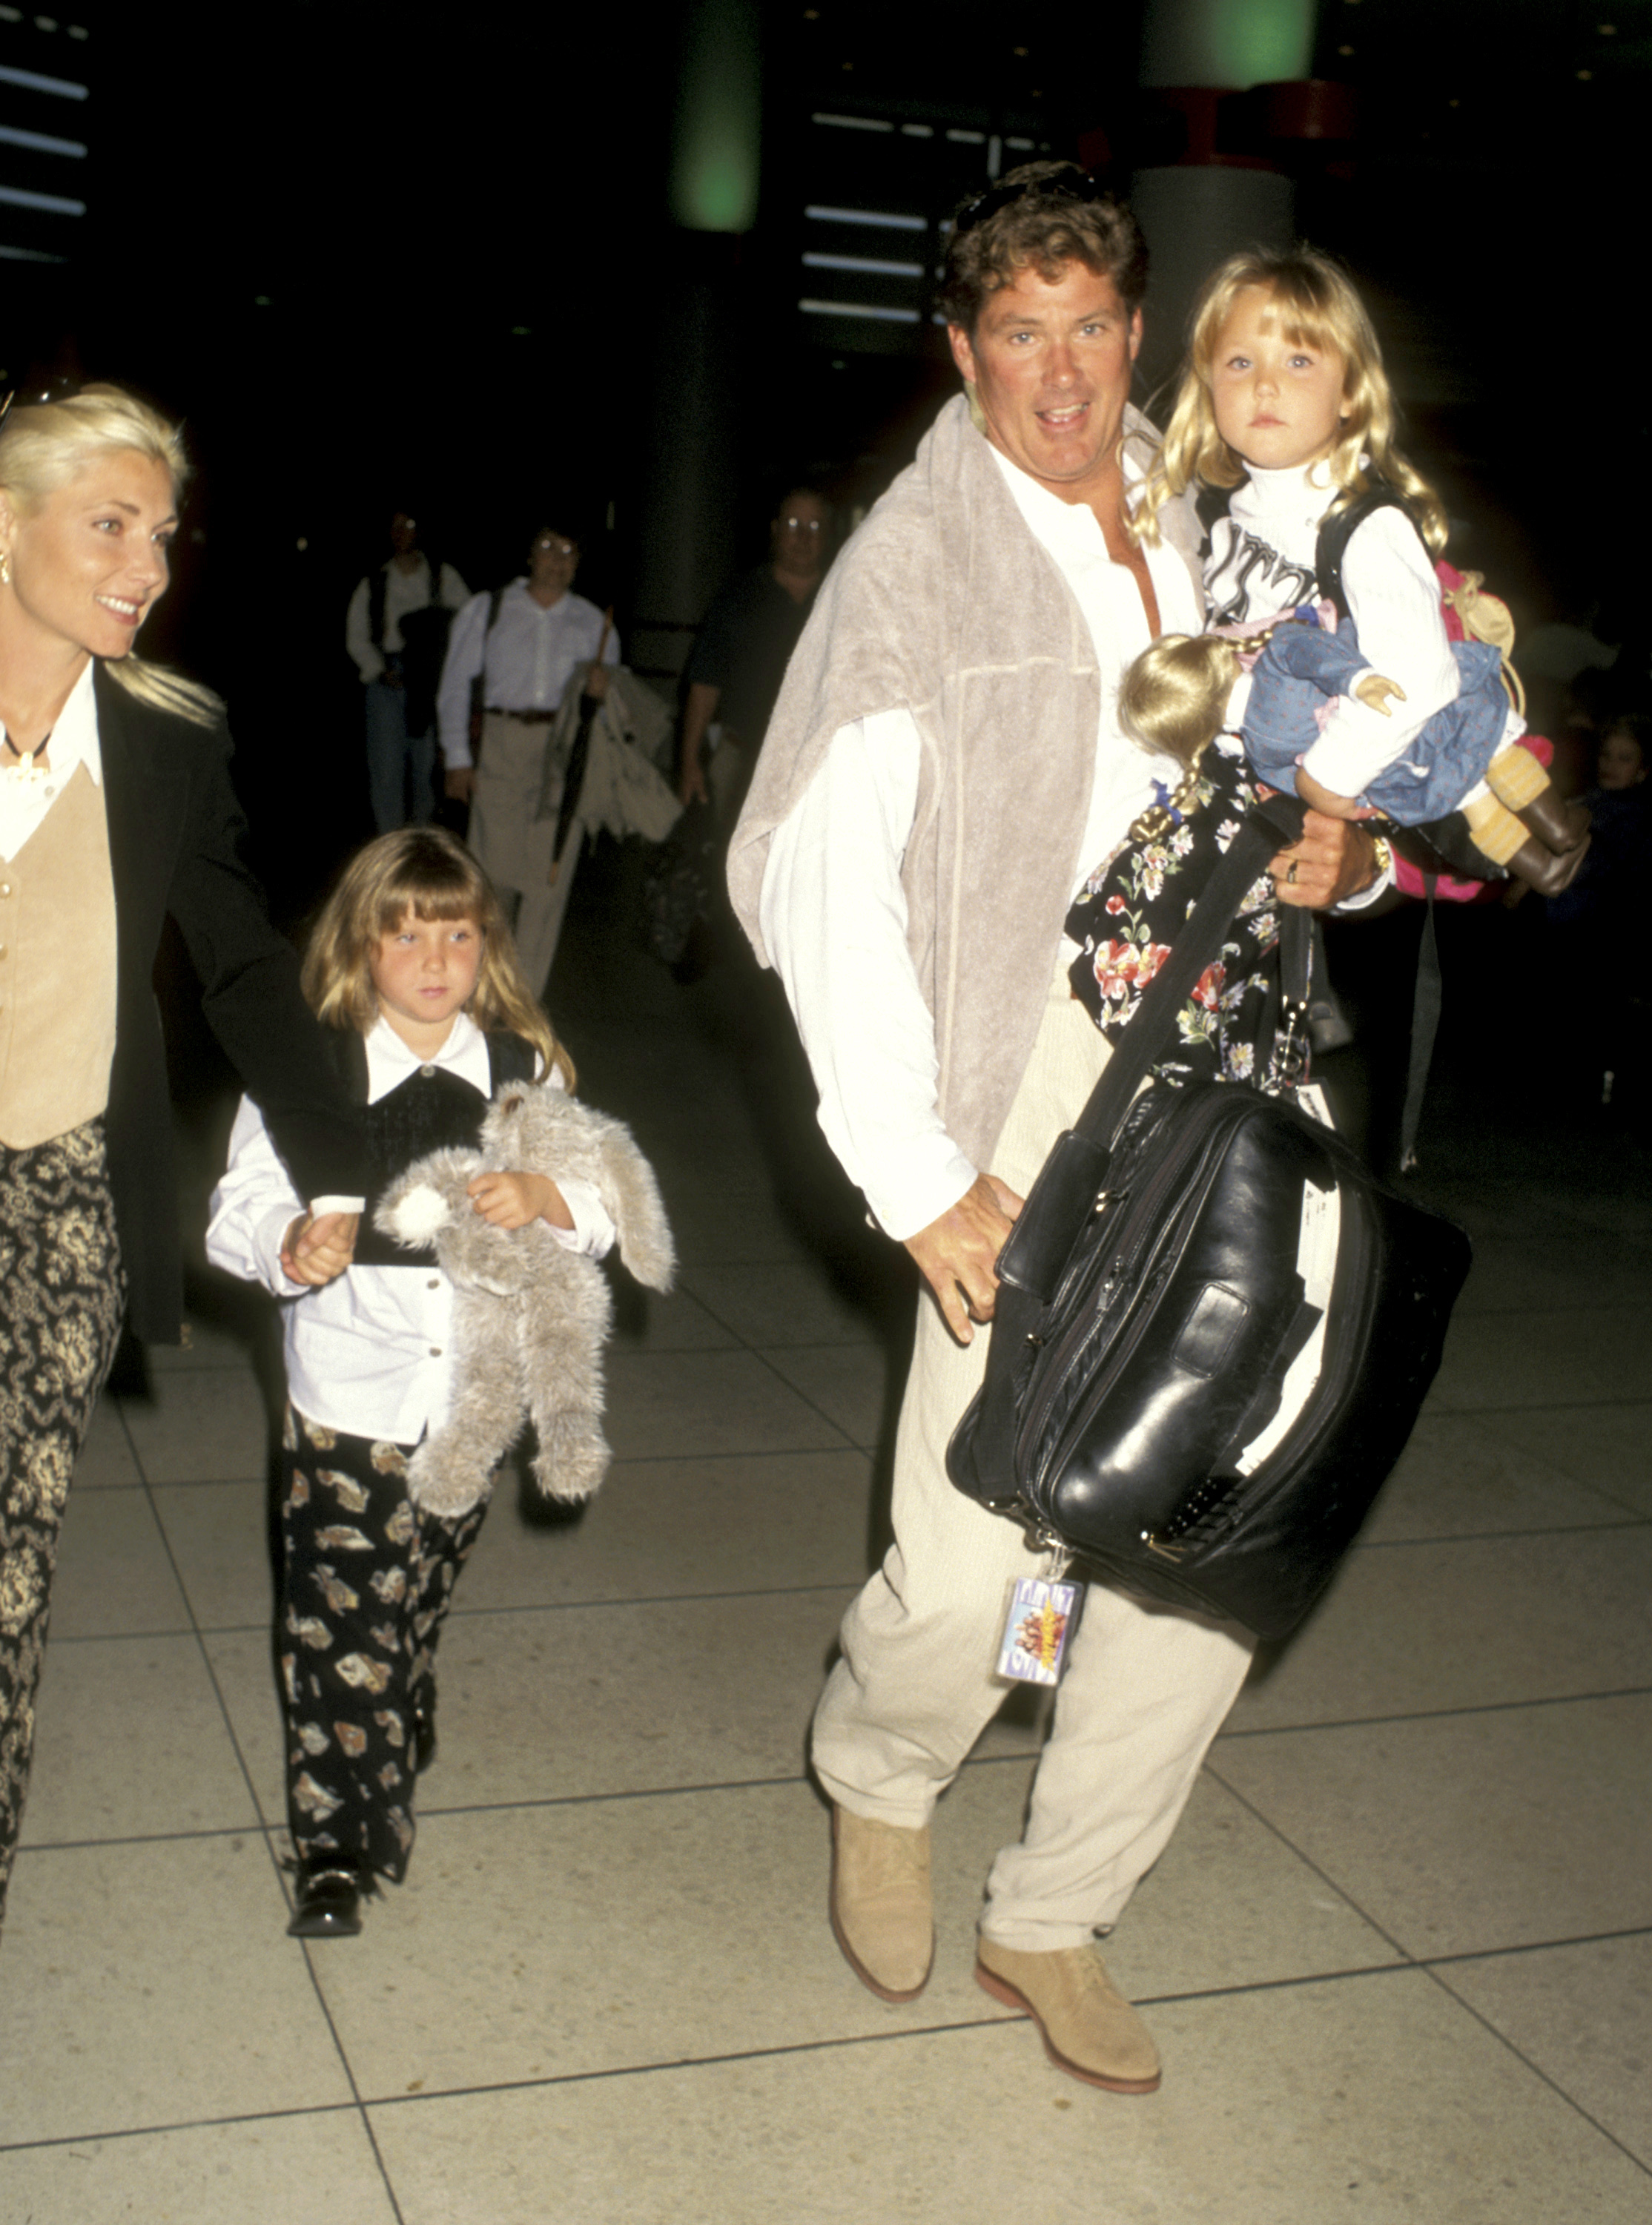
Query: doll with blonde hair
1360	702
412	968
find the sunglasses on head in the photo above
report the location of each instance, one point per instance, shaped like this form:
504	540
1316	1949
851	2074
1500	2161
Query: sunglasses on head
986	204
31	397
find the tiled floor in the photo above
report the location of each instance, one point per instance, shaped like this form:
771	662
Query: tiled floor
1399	1957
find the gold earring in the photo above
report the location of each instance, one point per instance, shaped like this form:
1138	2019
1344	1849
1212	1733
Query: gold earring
5	567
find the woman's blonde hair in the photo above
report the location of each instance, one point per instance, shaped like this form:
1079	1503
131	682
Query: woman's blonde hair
43	445
1173	698
1317	307
429	873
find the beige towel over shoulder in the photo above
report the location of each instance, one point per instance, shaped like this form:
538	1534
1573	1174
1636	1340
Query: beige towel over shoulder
945	606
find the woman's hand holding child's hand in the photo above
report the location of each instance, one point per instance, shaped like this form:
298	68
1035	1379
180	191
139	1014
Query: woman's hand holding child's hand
512	1201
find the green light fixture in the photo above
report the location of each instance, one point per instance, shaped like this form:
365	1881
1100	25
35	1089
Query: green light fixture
714	161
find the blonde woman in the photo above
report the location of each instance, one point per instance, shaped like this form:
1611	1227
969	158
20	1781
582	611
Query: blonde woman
115	811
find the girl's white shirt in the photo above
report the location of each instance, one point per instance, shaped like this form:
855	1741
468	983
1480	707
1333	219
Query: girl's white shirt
834	913
1393	596
369	1352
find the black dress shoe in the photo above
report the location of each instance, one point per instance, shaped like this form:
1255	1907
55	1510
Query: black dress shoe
328	1903
424	1730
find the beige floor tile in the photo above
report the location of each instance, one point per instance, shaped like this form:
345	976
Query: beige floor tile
265	2171
777	1302
1542	1357
218	1534
850	1383
1460	1477
106	1460
548	1704
1379	2101
1609	1446
202	1425
563	1704
132	1740
664	1405
736	1882
1465	1834
1465	1623
244	1666
152	1986
113	1573
552	1941
740	1522
1583	2015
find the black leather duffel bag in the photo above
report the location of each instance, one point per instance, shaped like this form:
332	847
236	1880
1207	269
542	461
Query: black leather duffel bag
1182	1252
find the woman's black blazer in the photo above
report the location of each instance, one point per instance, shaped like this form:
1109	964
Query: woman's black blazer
175	832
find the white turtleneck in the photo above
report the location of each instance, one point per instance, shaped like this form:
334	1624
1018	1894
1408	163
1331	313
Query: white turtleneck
1261	562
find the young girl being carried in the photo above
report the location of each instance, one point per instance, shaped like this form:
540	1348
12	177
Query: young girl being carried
1284	400
412	962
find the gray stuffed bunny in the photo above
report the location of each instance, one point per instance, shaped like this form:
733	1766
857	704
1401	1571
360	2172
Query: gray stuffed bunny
529	1317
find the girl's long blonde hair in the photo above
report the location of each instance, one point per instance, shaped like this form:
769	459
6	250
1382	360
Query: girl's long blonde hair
1318	306
429	873
43	445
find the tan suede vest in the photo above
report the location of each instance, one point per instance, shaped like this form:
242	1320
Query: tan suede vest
57	970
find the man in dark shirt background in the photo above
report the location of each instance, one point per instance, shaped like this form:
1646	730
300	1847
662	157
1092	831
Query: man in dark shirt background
740	658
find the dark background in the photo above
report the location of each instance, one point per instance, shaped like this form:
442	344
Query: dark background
378	255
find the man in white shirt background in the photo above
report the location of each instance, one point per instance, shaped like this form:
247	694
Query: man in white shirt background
943	767
527	644
397	701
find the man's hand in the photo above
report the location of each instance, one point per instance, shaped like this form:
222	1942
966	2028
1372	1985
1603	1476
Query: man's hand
1334	859
315	1251
958	1253
691	785
512	1201
458	781
595	682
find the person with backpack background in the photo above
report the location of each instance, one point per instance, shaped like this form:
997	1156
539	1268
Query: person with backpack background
396	633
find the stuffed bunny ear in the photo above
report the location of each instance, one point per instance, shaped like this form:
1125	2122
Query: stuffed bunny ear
626	1185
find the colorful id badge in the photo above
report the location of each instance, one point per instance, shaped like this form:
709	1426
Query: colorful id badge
1036	1631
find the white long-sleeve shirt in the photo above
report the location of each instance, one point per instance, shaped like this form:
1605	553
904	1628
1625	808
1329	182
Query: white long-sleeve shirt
1262	561
369	1352
404	591
532	653
833	912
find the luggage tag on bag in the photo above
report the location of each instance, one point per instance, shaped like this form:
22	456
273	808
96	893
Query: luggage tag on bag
1036	1629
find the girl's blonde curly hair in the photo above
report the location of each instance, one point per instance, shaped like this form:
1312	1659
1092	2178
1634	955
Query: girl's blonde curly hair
1317	305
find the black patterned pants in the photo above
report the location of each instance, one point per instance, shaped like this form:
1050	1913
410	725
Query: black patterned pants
367	1580
62	1297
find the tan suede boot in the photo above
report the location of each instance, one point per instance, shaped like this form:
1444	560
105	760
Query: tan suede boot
882	1916
1089	2029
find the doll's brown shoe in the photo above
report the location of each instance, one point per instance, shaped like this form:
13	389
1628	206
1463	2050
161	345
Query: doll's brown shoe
1559	827
1541	869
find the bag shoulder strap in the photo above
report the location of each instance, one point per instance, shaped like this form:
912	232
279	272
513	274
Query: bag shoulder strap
1338	527
1267	828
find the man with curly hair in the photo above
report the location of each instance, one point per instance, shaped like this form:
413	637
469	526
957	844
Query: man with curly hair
943	767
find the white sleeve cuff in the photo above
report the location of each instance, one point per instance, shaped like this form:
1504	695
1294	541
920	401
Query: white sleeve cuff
320	1205
593	1231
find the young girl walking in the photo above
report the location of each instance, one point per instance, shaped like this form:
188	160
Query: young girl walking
412	964
1284	401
